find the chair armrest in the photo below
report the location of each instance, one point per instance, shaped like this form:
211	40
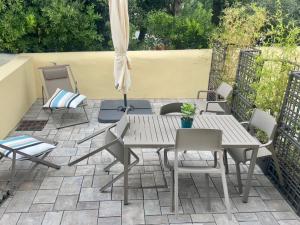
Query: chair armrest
270	142
214	102
245	124
166	162
205	91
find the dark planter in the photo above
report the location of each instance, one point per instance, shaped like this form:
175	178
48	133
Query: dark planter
186	122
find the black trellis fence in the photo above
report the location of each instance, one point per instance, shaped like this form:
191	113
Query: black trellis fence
217	65
287	144
243	97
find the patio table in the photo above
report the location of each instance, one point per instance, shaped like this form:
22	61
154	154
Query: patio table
156	131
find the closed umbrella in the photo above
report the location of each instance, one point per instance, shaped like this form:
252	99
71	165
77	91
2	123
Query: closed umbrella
119	24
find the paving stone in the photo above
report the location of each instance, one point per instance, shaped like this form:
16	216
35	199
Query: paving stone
87	181
289	222
52	218
150	193
156	220
110	208
71	186
85	170
31	218
51	183
41	207
200	205
93	194
133	213
277	205
10	219
202	218
21	201
222	219
179	219
66	202
152	207
266	218
165	198
83	217
109	221
254	204
268	193
64	171
87	205
246	217
284	215
45	196
187	206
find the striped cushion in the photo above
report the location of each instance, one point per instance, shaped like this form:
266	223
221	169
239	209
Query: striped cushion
26	144
64	99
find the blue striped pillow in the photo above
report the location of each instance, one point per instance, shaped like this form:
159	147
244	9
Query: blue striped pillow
26	144
64	99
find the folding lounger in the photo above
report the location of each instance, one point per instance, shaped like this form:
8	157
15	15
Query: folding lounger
25	147
61	91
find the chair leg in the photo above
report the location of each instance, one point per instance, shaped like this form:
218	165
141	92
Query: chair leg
12	174
226	162
239	178
176	192
207	191
225	188
172	190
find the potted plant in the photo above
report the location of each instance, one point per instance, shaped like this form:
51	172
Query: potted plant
188	111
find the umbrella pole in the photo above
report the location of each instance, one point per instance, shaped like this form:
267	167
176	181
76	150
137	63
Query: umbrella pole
125	101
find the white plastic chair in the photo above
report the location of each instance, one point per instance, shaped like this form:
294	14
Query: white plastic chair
197	140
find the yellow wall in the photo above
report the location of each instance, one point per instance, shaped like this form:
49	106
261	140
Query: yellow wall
155	74
17	92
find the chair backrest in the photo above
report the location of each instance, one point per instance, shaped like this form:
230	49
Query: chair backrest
122	126
171	108
198	139
117	149
57	76
224	90
263	121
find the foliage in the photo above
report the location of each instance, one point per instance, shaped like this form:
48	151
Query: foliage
277	61
240	27
188	110
190	29
14	25
57	25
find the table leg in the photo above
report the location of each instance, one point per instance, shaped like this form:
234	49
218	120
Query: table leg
250	174
126	159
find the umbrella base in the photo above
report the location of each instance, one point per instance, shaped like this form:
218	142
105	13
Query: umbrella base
111	111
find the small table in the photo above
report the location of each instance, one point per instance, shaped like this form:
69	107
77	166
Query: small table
156	131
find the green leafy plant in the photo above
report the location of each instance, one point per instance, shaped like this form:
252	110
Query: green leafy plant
188	110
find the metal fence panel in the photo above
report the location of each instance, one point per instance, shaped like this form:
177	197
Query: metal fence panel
243	97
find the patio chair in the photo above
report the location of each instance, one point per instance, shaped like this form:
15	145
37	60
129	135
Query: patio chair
261	121
219	106
113	143
171	108
23	147
197	140
60	77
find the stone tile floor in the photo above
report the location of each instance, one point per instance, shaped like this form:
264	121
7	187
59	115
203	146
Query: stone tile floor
70	196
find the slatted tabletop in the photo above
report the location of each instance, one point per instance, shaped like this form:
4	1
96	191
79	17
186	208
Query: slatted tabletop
160	131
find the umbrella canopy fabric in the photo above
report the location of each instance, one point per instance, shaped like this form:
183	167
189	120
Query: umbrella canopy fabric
119	24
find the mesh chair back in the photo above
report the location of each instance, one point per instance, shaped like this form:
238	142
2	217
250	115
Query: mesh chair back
122	126
170	108
117	149
224	90
263	121
54	77
198	139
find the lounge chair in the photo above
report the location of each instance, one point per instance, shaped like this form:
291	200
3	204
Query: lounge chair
113	143
24	147
219	106
58	80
